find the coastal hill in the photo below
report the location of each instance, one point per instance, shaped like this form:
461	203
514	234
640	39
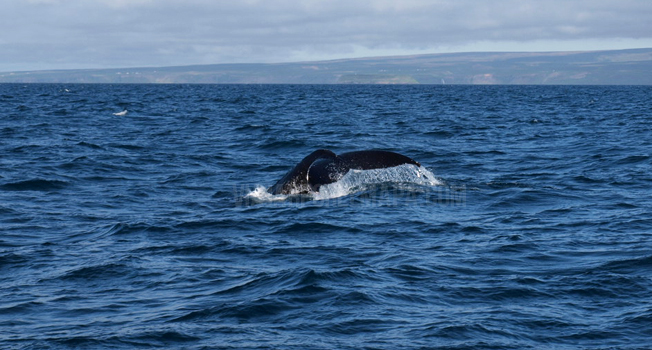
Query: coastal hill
617	67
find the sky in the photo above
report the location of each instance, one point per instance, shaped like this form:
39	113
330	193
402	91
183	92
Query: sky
80	34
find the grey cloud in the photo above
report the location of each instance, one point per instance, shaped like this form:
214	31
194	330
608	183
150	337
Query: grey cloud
112	33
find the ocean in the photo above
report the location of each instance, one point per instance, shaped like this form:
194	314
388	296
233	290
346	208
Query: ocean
528	225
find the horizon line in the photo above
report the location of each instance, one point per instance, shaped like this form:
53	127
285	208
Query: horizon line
325	61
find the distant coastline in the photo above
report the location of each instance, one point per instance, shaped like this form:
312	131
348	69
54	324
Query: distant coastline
614	67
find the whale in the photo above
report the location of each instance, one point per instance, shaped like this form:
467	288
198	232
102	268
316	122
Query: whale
323	167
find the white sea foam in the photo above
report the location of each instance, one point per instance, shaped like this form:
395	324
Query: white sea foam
260	194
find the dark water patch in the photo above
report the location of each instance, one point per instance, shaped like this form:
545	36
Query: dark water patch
628	265
27	149
257	310
60	112
78	342
512	294
137	227
264	296
8	260
129	147
313	228
102	272
22	108
209	225
35	185
198	250
7	132
160	338
470	336
361	325
473	229
629	160
89	145
587	179
275	144
185	177
410	273
623	205
248	112
21	307
314	277
439	134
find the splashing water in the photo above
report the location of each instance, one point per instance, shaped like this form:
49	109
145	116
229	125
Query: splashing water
357	180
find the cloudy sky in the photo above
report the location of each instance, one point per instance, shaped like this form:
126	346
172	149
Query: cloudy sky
65	34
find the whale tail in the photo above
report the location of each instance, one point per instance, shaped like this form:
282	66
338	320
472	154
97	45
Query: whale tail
365	160
323	167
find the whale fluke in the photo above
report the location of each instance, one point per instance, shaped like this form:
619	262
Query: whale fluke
323	167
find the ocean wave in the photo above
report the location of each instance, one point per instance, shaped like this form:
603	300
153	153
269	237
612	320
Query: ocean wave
643	263
141	234
12	259
100	272
273	295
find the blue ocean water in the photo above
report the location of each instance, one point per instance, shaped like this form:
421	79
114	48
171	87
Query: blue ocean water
153	229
